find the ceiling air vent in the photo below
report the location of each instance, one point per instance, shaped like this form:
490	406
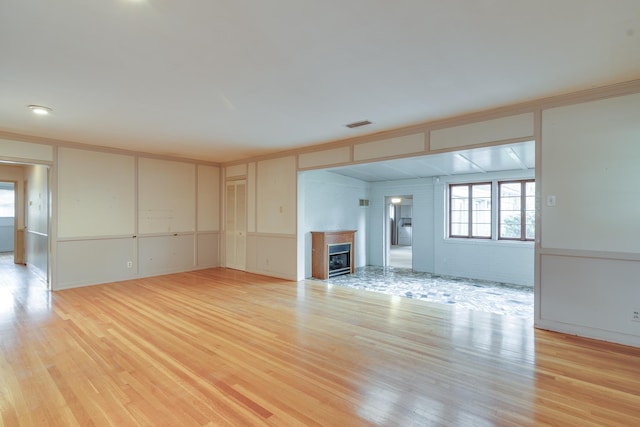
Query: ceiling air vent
358	124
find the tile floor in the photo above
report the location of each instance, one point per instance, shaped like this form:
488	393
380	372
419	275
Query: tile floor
478	295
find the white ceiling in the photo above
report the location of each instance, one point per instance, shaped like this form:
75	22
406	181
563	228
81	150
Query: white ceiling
225	79
520	156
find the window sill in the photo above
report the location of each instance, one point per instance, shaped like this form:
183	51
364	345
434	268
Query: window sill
463	241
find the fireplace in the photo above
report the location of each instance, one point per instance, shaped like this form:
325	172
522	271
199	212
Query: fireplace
332	253
339	259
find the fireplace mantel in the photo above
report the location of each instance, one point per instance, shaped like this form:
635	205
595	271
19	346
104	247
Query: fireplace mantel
320	242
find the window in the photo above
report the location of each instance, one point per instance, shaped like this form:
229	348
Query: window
517	210
470	210
7	200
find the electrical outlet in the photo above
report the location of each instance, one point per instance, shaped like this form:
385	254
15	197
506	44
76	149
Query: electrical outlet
129	264
635	315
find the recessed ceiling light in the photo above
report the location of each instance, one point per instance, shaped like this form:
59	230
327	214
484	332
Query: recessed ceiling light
40	110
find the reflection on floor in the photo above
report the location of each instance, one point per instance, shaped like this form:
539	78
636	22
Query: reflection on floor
400	256
478	295
21	290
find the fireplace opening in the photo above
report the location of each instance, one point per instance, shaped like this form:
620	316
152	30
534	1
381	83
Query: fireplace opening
339	259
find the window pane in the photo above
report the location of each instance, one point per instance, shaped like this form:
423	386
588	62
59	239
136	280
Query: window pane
459	229
531	225
508	231
531	203
511	214
459	214
510	227
481	215
482	230
6	203
510	189
459	191
459	217
510	203
530	189
460	204
482	191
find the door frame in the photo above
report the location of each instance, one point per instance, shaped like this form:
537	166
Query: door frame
243	234
48	273
386	237
15	217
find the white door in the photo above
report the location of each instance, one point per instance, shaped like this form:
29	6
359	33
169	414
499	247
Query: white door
236	224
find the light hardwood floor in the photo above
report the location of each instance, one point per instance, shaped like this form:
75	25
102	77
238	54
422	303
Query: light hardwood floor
220	347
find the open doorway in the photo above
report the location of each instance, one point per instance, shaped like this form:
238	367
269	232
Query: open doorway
25	213
7	218
446	268
399	232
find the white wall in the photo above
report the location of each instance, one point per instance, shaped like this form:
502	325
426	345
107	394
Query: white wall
276	196
329	201
166	196
502	261
590	240
272	248
96	194
422	221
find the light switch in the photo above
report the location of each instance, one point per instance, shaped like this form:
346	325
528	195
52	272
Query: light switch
551	200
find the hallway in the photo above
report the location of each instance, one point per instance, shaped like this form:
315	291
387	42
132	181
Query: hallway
21	291
401	256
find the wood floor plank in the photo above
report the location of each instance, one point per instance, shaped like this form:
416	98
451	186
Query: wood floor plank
222	347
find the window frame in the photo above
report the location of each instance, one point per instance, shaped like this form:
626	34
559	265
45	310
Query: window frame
470	210
523	210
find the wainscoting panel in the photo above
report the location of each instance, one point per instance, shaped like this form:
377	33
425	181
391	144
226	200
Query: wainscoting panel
90	262
208	250
7	231
591	296
272	255
166	254
37	259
